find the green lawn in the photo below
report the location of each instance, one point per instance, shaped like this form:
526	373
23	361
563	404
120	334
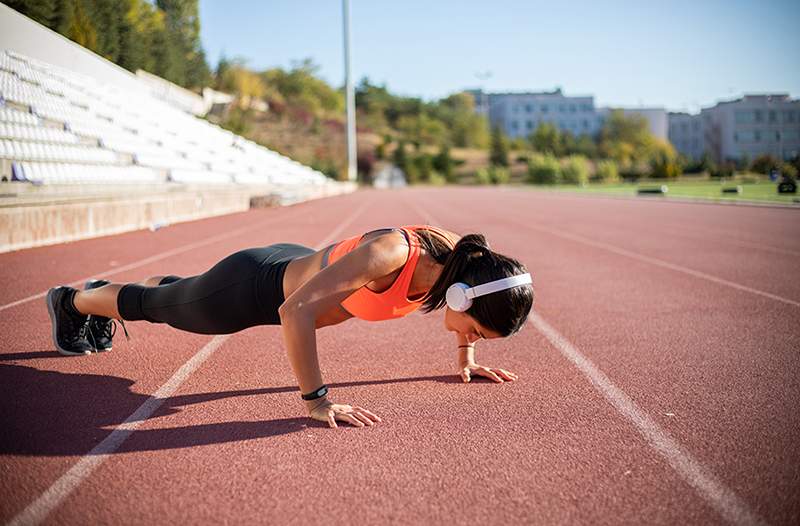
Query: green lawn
752	191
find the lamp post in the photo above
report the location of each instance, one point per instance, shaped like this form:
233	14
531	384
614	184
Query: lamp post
350	98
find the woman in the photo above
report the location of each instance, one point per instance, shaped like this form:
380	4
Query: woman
383	274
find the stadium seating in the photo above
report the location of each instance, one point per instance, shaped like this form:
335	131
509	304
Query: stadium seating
58	126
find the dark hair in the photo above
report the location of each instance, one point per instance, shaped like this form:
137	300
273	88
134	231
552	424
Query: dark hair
471	261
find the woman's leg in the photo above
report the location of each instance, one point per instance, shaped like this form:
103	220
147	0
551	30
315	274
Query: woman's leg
102	301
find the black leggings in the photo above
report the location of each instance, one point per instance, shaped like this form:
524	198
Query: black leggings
243	290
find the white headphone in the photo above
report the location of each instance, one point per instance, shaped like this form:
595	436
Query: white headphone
459	295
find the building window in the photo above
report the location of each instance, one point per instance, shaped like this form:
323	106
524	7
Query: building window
572	108
585	124
514	125
561	108
744	117
684	127
696	125
529	125
759	116
544	108
515	108
528	108
757	136
788	116
773	117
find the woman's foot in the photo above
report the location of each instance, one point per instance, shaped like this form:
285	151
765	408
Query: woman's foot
69	326
101	329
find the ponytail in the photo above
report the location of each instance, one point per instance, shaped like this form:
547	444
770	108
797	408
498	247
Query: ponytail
468	249
473	262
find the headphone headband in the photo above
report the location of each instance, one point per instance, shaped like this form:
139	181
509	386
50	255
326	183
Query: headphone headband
498	285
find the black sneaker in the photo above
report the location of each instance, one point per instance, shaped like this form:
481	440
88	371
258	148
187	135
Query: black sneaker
101	329
69	329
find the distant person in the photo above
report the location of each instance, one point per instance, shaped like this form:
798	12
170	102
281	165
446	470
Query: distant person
384	274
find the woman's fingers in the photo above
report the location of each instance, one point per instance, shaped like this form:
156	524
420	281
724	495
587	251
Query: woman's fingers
370	414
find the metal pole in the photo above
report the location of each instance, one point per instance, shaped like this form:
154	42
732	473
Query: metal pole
350	96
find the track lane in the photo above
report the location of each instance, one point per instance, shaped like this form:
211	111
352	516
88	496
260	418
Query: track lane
84	395
719	387
445	452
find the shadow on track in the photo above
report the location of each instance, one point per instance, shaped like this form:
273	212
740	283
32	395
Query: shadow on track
49	413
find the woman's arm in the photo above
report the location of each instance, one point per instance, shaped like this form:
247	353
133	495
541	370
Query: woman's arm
323	291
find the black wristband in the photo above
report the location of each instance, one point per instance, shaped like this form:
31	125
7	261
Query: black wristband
319	393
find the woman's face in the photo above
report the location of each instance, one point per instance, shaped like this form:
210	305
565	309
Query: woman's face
466	325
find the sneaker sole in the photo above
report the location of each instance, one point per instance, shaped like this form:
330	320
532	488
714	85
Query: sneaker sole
51	311
86	287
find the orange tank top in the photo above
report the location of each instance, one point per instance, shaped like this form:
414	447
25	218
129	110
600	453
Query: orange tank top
392	303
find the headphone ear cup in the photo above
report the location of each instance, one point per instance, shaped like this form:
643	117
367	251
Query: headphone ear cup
457	298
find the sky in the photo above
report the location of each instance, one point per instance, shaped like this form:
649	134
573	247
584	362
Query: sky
674	54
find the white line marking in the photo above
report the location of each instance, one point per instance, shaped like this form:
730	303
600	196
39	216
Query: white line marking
720	497
158	257
708	487
39	509
661	263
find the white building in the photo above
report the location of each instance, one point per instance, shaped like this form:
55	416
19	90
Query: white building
753	125
686	134
519	114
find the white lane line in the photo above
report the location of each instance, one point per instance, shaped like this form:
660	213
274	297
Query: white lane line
157	257
661	263
39	509
708	486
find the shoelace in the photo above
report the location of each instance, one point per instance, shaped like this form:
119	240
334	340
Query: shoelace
109	329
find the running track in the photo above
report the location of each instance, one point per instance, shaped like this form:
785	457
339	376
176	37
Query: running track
658	380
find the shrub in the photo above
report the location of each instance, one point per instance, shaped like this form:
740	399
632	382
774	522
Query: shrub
764	164
725	169
607	171
482	176
498	175
437	179
788	170
543	169
575	170
664	161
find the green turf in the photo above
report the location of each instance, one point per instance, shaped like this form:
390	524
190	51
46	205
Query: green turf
758	191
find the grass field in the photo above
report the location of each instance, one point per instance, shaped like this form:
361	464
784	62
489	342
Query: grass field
752	191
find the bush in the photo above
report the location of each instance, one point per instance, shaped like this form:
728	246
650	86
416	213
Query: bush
437	179
607	171
492	175
664	161
725	169
575	170
482	176
788	170
764	164
544	169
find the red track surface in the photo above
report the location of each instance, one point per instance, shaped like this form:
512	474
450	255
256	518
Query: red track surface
714	367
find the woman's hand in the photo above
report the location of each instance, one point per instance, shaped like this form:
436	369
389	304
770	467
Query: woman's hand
329	412
498	375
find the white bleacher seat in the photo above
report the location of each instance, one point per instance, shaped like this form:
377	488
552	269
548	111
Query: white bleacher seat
76	173
135	135
196	176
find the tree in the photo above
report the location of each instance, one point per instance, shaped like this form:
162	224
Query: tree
664	161
625	139
75	24
546	139
42	11
443	163
499	149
